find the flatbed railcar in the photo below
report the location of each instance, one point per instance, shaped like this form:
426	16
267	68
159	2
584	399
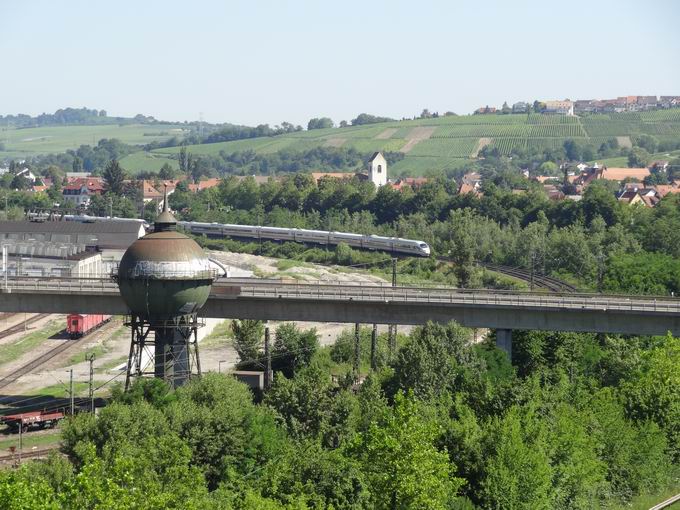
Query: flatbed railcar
78	324
32	419
371	242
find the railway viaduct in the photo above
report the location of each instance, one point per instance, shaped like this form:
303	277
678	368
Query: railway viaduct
371	304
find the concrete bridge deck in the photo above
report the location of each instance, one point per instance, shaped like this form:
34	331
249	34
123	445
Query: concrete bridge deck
333	302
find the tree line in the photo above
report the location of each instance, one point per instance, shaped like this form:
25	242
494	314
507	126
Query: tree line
578	421
589	241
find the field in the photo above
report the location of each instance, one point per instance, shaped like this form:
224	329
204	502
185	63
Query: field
429	145
138	161
45	140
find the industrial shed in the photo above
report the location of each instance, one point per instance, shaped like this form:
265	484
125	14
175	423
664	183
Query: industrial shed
67	247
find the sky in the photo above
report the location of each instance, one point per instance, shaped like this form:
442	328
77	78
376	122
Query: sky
259	61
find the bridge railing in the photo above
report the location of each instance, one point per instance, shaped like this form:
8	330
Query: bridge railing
449	296
59	284
373	293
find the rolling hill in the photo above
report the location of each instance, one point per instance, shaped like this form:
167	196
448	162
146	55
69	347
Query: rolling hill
428	144
26	142
449	142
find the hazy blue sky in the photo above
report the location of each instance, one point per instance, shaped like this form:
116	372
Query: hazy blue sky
268	61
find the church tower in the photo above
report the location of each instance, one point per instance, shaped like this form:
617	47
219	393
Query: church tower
377	169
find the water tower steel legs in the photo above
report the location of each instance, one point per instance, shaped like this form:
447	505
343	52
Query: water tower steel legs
175	349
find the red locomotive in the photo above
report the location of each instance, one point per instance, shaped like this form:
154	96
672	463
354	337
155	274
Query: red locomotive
78	325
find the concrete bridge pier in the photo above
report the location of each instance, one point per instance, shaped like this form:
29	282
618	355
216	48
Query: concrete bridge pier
504	341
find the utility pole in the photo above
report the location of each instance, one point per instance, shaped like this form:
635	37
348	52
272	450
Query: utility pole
268	360
5	263
392	328
600	271
374	341
357	351
21	436
91	360
71	393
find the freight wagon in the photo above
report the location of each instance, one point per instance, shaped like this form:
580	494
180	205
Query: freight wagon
33	419
78	325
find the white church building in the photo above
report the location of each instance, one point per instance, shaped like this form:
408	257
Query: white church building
377	169
377	172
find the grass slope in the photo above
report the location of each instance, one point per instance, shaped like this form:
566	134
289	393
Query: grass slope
429	144
449	142
54	139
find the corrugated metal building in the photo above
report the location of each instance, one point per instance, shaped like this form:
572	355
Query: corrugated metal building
61	247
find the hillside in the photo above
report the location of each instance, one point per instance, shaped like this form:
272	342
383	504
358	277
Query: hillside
428	144
26	142
449	142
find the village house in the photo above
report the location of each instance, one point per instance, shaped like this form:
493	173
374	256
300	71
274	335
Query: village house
204	184
660	166
647	197
79	190
644	103
665	189
565	107
413	182
669	101
621	174
260	179
520	107
553	192
585	106
149	192
470	183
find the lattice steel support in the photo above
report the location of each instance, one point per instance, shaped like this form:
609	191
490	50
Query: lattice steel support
166	349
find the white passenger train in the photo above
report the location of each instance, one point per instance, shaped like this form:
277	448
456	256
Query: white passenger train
370	242
300	235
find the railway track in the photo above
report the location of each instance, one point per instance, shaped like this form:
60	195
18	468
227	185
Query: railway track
44	358
22	326
28	454
539	281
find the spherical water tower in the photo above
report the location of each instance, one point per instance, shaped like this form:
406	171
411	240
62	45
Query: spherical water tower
164	278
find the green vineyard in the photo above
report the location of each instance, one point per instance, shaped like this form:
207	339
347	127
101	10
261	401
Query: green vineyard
442	143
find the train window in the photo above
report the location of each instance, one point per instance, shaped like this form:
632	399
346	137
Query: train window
74	322
422	245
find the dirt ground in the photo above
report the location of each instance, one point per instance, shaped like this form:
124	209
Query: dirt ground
335	142
384	135
483	142
415	136
624	141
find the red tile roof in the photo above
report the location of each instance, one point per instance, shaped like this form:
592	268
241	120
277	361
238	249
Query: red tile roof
208	183
149	191
620	174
